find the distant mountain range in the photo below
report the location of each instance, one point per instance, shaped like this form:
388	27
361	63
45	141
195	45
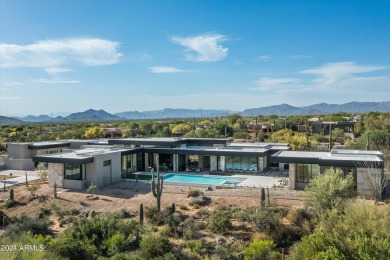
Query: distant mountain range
281	110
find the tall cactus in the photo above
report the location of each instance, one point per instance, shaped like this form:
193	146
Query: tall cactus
269	202
55	189
157	186
141	214
11	195
262	197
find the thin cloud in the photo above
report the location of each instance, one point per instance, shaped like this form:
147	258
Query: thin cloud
300	57
54	53
202	48
164	69
264	58
55	81
331	73
273	83
56	70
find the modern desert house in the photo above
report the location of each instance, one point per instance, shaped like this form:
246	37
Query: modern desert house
72	163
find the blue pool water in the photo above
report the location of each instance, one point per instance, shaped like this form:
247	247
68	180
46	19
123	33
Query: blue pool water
199	179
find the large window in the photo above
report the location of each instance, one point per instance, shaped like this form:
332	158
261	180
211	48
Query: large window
193	160
127	162
74	171
241	163
306	172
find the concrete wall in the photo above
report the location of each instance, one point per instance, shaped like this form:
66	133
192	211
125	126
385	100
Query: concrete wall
74	184
56	174
19	164
19	151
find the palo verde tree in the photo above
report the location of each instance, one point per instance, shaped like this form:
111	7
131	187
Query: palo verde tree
329	191
42	172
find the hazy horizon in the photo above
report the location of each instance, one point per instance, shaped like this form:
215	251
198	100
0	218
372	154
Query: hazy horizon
149	55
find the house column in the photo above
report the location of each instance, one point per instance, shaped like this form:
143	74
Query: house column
213	163
260	164
134	162
281	166
291	176
223	163
200	162
175	162
146	161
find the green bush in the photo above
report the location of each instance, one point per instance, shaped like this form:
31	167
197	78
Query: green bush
9	203
219	221
45	211
106	234
154	217
23	223
153	246
261	249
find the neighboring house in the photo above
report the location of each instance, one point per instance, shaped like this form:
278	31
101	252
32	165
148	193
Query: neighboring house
324	127
304	166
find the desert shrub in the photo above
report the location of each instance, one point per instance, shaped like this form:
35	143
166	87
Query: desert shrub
152	214
74	212
103	235
23	223
219	221
194	193
122	213
261	249
223	252
153	246
194	245
183	207
8	203
58	211
45	211
83	203
202	213
27	238
33	189
244	215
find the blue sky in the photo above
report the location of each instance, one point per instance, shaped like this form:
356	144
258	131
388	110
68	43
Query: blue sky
120	56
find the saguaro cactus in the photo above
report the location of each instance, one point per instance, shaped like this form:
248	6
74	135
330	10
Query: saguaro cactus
269	201
262	197
55	189
141	214
173	207
11	195
157	186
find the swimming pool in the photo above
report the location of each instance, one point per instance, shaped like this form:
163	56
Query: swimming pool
202	179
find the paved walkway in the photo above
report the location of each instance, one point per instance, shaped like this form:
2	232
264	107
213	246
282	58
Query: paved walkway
19	177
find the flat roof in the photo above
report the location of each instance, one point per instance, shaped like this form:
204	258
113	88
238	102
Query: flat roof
343	158
78	156
48	144
207	150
